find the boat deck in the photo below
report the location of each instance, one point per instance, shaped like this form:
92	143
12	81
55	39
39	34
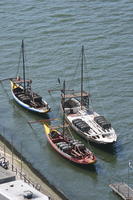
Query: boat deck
123	190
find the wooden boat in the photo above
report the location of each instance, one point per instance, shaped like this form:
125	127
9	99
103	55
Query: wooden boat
69	148
22	93
64	143
87	123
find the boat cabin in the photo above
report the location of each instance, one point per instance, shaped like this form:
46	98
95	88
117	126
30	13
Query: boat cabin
72	103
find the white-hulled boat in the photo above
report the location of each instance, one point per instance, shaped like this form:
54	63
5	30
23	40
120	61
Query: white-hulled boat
22	93
87	123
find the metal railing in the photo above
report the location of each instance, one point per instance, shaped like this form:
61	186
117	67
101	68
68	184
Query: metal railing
5	163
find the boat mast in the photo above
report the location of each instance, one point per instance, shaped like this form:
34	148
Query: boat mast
23	64
82	63
63	100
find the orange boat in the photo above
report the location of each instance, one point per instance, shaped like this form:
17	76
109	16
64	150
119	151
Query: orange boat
71	149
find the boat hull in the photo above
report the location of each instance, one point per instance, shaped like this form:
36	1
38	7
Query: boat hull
85	135
84	161
26	106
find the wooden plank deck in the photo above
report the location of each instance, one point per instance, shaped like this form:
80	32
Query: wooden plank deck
123	190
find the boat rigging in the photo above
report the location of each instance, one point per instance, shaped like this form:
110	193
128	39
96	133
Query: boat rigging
62	140
22	92
87	123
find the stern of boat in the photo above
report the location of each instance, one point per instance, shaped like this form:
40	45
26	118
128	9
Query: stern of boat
12	84
46	129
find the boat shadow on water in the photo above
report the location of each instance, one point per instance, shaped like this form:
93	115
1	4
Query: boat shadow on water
107	153
90	168
108	148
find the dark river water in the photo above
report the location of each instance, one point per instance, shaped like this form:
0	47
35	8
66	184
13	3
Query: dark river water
54	32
